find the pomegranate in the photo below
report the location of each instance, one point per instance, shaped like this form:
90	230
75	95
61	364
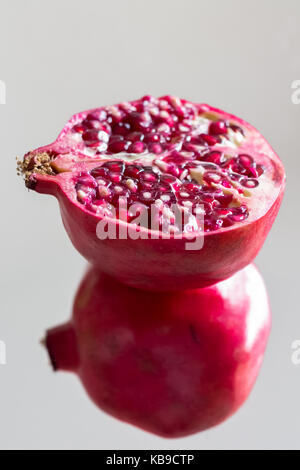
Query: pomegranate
159	173
170	363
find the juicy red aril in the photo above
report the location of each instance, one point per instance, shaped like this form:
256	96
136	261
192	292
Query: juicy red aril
168	197
86	179
118	146
249	183
137	147
117	192
239	214
152	138
116	177
135	137
121	129
210	140
218	128
215	157
99	171
116	138
138	121
235	128
114	166
155	148
80	128
245	160
132	170
148	196
191	188
90	136
149	176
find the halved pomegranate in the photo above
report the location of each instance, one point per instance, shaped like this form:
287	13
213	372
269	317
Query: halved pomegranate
138	181
171	363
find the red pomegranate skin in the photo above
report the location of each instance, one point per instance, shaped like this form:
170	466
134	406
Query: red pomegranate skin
166	264
172	364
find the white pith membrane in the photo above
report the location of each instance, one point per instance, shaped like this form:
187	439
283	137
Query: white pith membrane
186	191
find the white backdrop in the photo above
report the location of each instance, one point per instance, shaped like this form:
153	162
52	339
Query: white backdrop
61	56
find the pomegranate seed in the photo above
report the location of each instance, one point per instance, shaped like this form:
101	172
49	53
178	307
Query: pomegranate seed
148	197
236	129
115	177
137	147
99	171
115	166
155	148
79	128
218	128
133	170
135	136
249	183
149	176
87	180
152	137
215	157
197	140
91	136
164	128
93	124
245	160
118	146
210	140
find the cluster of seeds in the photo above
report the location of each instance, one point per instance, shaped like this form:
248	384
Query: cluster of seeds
177	191
154	126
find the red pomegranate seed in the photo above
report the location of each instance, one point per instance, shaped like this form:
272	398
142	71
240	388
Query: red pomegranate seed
118	146
210	140
152	137
132	170
137	147
218	128
249	183
245	160
115	166
79	128
149	176
155	148
91	136
135	137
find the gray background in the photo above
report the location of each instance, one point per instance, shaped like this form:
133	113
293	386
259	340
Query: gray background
61	56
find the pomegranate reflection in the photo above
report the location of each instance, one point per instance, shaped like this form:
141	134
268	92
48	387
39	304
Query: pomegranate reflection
173	363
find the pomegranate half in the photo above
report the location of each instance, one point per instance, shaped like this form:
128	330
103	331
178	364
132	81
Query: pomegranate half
171	363
137	182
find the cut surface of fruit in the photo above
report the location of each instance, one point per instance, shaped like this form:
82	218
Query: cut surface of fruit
170	363
167	169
